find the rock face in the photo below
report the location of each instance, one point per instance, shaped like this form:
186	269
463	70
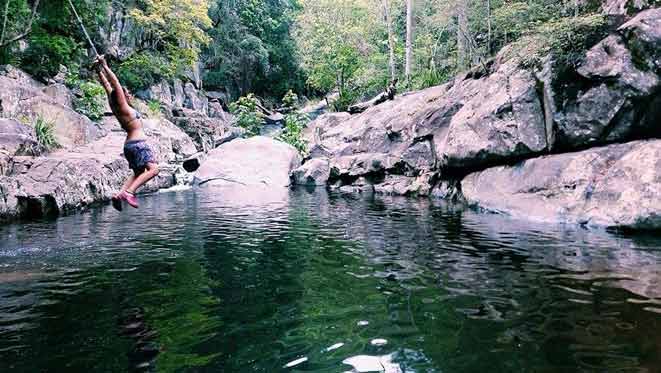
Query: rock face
207	133
608	98
625	7
17	138
88	167
68	180
315	172
616	186
257	161
29	103
469	123
499	114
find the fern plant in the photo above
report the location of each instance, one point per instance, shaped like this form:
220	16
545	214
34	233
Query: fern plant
45	132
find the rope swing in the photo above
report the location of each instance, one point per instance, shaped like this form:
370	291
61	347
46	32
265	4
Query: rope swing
82	25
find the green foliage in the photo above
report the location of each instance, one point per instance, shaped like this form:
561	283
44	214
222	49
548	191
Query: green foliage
334	41
91	101
564	38
292	134
145	69
252	48
290	100
55	38
295	122
46	52
247	114
45	133
154	107
345	99
20	13
73	78
175	33
429	78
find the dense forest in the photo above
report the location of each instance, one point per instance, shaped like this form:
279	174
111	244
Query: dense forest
312	47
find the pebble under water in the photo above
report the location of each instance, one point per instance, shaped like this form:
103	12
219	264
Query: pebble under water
222	281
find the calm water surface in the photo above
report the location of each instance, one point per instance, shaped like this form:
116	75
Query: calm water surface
310	282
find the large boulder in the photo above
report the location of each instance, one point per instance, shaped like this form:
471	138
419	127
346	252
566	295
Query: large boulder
20	77
194	99
312	173
160	92
470	123
498	118
17	138
624	8
616	86
60	94
255	161
614	186
500	113
207	132
30	104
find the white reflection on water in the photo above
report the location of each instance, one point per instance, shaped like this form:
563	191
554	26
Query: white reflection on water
367	363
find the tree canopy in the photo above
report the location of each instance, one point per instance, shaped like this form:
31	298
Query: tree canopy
312	47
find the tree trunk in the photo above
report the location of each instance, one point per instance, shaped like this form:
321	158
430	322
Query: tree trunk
4	22
391	40
463	47
409	41
28	28
489	27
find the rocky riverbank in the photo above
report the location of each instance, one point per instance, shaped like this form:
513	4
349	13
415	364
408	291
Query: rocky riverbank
87	166
556	143
574	143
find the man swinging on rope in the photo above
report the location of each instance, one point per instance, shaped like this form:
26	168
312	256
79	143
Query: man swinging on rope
137	152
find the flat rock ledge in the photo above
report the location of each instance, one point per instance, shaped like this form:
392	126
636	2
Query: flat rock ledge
616	186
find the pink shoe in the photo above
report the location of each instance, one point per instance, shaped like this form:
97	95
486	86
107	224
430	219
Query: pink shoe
129	198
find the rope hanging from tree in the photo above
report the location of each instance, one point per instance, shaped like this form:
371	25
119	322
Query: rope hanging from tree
82	25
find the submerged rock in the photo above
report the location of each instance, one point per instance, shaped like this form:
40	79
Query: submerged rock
254	161
615	186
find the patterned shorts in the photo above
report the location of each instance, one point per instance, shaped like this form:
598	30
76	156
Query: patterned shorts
138	153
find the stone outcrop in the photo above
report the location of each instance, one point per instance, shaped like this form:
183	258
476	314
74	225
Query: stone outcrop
68	180
611	97
469	123
257	161
28	103
89	165
208	133
190	109
500	114
615	186
315	172
17	138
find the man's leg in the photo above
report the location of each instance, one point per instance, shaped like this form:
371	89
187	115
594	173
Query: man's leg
151	171
128	182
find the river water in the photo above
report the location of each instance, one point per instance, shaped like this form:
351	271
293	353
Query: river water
276	281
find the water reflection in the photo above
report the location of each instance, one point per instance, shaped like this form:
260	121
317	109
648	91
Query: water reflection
267	281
